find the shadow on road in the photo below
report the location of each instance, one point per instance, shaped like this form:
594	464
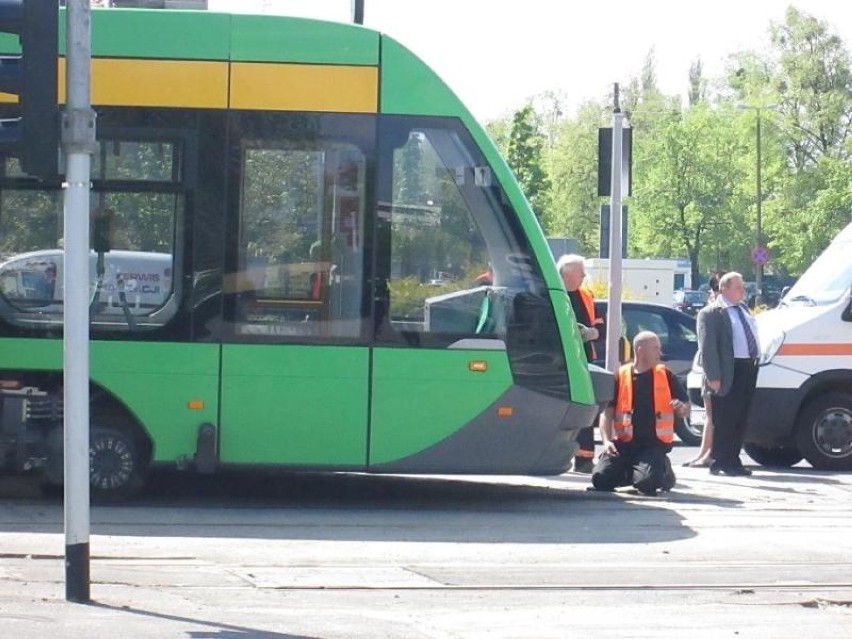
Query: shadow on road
216	631
324	506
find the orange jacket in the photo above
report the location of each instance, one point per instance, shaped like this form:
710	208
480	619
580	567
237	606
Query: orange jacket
662	405
589	302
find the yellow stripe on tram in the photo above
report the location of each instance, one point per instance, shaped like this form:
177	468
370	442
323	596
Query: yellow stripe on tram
304	87
162	83
204	84
156	83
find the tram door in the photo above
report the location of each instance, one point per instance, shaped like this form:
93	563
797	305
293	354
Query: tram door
444	253
295	370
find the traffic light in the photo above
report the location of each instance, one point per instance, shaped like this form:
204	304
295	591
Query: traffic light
34	136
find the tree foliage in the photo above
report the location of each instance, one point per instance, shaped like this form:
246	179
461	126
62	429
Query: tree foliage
575	206
687	184
695	173
525	154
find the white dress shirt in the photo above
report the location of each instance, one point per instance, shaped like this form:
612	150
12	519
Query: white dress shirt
740	344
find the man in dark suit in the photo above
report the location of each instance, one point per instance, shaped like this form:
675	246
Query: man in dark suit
728	351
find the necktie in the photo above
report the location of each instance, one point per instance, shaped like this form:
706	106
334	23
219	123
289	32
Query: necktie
750	340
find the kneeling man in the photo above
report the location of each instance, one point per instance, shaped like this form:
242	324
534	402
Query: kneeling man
637	428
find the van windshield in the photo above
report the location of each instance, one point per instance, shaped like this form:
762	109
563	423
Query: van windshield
827	279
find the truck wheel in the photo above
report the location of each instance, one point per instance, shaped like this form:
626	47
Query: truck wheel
115	467
689	434
773	456
824	431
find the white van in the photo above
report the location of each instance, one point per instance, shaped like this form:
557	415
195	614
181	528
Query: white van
34	281
803	403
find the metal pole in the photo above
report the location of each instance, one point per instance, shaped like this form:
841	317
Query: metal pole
78	142
613	321
358	11
758	277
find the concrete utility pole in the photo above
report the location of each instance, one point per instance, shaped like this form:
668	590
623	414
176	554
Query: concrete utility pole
613	320
78	143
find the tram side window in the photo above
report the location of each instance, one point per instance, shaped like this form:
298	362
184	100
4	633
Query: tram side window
437	253
30	250
301	240
136	210
456	264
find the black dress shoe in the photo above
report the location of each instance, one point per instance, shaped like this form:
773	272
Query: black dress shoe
731	471
648	492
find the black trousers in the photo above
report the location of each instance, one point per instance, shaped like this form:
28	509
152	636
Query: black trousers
645	467
586	440
730	413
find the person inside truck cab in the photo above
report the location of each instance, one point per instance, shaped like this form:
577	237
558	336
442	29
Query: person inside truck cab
45	285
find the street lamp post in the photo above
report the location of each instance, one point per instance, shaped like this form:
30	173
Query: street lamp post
758	275
758	192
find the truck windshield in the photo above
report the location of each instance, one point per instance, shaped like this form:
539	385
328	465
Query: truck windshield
827	279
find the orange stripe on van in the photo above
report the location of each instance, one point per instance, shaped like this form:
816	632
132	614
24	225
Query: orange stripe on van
815	349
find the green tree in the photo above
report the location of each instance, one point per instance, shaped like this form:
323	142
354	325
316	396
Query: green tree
686	184
573	169
813	83
805	88
499	132
697	83
524	155
695	183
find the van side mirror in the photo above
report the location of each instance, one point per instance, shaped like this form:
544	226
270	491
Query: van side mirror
846	316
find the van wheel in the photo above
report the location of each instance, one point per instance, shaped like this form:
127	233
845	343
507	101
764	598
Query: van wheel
688	433
115	466
773	456
824	431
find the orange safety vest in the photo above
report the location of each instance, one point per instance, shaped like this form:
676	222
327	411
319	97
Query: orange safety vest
588	300
662	405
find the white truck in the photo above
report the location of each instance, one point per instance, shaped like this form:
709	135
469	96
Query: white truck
803	404
649	280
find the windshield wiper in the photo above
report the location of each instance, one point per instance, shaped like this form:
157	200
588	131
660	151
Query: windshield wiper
804	298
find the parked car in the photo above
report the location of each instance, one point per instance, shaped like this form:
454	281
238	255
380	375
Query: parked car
678	337
690	302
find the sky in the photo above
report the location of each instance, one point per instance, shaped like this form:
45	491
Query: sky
496	54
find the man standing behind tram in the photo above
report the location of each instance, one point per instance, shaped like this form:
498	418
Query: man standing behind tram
573	271
728	350
637	428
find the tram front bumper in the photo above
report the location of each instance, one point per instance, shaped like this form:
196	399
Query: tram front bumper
603	383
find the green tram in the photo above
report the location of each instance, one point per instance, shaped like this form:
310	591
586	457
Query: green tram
306	254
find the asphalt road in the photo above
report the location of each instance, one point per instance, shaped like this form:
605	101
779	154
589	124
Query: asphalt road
338	556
